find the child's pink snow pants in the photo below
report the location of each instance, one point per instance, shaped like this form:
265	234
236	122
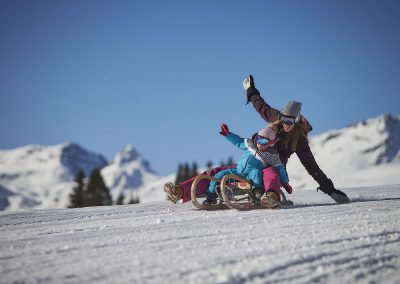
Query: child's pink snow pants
202	185
271	181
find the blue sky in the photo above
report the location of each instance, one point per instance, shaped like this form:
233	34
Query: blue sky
163	75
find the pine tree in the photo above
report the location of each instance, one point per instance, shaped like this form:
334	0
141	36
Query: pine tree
179	174
194	170
230	161
97	193
134	200
120	199
186	171
77	195
209	165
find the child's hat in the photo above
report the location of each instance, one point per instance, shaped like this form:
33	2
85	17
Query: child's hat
267	133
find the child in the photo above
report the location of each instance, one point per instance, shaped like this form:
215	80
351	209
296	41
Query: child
260	153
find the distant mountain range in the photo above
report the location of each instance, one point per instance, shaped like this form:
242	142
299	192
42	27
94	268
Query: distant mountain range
363	154
43	176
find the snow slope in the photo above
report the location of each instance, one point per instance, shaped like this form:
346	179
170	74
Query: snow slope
316	241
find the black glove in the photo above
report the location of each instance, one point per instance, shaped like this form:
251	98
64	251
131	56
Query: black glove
337	195
248	85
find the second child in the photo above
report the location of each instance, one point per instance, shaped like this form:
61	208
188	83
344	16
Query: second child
260	154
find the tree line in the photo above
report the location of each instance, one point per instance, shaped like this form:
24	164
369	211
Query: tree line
186	171
94	192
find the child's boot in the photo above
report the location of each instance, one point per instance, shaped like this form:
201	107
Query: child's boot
258	192
174	192
211	198
271	201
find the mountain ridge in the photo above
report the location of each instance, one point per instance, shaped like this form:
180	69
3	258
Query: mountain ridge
37	176
360	148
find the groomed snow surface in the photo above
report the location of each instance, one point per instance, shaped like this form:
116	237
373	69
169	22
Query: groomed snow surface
316	241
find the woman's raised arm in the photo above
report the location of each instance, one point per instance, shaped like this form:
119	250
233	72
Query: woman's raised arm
267	113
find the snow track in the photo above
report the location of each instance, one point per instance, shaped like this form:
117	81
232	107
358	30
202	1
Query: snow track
316	241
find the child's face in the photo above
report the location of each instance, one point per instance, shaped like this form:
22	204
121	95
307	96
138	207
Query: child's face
264	148
263	143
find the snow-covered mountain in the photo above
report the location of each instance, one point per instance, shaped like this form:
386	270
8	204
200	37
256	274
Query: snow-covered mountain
363	154
130	174
42	176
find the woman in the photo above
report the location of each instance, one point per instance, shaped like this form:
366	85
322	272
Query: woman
293	129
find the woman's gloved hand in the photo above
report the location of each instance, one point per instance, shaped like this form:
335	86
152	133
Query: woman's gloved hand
248	85
248	82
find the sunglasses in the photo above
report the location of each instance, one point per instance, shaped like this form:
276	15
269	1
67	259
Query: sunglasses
288	120
262	140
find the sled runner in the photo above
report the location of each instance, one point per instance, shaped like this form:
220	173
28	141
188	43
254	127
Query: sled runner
198	203
234	192
238	194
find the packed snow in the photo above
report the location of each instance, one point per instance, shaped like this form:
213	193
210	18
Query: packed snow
315	241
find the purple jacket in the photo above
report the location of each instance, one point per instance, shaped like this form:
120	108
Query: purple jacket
303	150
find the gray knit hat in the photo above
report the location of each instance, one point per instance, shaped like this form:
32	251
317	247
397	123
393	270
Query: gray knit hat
292	108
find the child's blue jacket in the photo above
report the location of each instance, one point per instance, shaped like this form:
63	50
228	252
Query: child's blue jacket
253	159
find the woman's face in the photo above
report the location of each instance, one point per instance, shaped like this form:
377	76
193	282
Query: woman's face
288	128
